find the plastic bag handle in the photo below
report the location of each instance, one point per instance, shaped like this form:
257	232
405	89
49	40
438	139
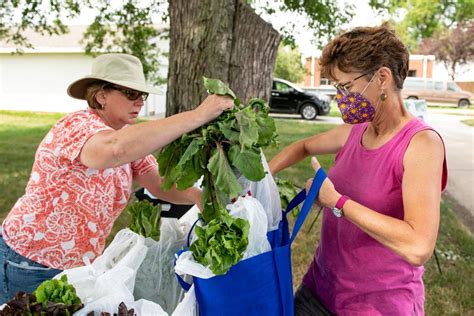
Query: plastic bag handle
185	285
309	199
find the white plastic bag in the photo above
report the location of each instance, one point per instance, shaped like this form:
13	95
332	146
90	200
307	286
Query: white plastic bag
266	192
188	306
250	209
110	279
156	280
118	263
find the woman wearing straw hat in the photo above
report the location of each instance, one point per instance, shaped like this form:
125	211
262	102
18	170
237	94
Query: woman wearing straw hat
82	176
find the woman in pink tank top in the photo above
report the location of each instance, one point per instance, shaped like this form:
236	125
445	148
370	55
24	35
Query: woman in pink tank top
382	196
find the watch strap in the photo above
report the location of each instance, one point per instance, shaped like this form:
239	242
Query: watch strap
342	200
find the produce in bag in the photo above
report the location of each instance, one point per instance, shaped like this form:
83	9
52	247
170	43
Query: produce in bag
155	280
217	151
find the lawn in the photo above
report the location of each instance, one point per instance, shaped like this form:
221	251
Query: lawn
450	293
469	122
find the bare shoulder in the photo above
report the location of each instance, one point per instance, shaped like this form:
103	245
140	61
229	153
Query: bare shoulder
425	145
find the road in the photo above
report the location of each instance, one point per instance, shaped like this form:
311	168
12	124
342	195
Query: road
459	142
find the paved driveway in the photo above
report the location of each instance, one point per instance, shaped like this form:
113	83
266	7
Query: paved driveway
459	142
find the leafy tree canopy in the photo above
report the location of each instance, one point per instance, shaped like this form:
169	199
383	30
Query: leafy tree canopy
126	26
415	20
288	64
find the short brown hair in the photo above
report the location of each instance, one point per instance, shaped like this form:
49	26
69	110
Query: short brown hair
366	49
91	91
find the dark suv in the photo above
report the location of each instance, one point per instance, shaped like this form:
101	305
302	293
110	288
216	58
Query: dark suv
287	98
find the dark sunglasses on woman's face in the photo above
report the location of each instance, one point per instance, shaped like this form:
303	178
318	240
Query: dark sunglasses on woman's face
131	94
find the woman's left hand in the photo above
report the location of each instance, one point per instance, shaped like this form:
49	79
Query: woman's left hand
328	195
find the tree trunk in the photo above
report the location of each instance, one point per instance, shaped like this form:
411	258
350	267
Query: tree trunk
223	39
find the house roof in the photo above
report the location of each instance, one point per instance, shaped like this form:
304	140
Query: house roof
66	43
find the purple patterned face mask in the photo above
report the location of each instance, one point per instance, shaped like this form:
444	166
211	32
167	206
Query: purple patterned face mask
354	106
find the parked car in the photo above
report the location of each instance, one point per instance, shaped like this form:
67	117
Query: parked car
435	91
288	98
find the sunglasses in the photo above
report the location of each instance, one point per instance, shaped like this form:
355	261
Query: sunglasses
131	94
343	87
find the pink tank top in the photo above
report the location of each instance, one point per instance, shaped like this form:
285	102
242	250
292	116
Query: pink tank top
352	273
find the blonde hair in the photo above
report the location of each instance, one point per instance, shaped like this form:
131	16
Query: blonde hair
91	91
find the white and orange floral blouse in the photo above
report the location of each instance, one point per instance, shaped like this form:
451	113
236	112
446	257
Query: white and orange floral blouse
69	209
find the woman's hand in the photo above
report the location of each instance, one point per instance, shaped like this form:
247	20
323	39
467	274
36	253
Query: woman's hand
328	195
213	106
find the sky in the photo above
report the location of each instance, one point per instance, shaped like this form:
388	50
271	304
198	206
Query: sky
364	16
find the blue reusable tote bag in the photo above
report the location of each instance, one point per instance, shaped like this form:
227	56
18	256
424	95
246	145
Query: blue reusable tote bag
261	285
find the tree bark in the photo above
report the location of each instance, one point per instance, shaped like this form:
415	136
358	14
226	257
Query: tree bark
223	39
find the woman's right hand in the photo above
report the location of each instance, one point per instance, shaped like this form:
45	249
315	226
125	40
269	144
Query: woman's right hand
213	106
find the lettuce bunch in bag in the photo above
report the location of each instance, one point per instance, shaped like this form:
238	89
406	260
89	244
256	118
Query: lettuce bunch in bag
220	151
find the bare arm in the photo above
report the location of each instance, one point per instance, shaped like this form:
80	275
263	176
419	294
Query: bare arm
152	181
414	237
329	142
108	149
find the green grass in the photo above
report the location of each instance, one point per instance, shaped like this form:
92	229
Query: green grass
334	110
469	122
450	293
452	107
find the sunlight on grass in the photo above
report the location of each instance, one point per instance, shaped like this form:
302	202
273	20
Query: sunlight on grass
469	122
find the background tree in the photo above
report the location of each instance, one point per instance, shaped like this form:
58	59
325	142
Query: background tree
222	39
454	47
288	64
415	20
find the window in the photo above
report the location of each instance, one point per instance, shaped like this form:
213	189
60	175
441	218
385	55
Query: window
453	87
413	84
324	81
411	73
438	85
280	86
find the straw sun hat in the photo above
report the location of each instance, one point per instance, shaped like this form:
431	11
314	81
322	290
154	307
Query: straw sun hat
121	69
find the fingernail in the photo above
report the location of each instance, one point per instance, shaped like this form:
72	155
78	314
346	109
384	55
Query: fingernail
313	159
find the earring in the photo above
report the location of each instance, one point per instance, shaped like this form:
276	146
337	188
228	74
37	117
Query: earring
383	96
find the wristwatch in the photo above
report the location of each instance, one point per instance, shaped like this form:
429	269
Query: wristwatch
337	211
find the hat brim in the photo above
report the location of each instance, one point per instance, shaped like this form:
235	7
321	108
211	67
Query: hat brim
78	88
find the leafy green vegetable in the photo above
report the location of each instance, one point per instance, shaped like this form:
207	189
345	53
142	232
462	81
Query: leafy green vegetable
59	291
218	151
221	244
287	192
27	304
145	219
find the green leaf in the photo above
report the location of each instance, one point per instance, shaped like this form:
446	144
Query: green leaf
145	219
222	172
248	127
215	86
194	147
287	191
248	162
221	244
168	164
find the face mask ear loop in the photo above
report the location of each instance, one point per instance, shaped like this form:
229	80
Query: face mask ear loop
368	84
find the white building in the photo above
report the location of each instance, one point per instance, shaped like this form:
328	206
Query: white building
38	79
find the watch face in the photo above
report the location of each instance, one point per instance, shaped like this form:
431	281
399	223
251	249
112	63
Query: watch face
337	212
